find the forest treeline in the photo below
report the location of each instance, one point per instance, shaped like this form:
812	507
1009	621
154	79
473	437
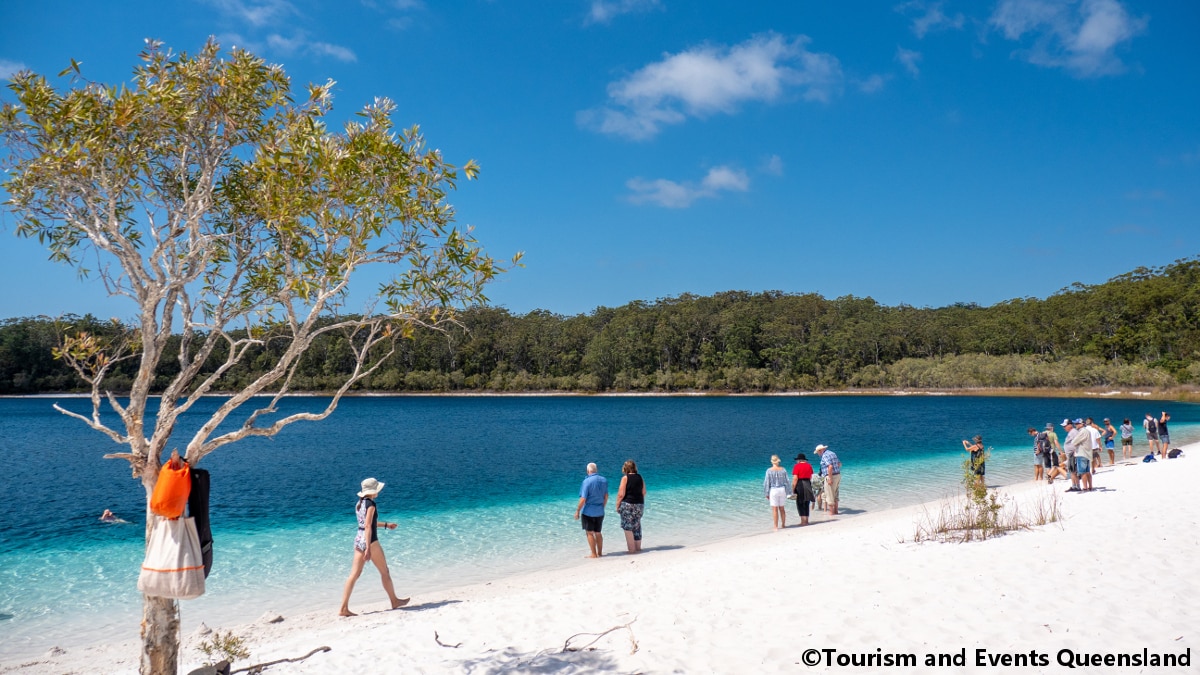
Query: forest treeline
1140	329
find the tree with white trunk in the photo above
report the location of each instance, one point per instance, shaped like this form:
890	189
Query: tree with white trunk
233	219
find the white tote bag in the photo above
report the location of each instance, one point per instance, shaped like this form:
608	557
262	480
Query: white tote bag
173	567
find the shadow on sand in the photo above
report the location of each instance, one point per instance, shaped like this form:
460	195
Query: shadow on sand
414	608
811	523
648	549
512	661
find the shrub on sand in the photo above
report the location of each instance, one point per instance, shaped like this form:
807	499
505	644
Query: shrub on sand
223	647
981	514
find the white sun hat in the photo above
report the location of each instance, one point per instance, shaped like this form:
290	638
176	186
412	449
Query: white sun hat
370	486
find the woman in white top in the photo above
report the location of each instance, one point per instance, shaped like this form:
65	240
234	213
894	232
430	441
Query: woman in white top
778	487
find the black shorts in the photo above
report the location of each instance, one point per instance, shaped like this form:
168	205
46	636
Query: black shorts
1048	459
592	523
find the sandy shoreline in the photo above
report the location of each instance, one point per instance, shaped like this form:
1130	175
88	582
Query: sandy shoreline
1114	578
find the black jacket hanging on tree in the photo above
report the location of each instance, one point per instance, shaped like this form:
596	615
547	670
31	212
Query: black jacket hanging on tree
198	508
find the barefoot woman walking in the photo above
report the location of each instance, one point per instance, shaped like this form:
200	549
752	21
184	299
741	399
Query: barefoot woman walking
367	546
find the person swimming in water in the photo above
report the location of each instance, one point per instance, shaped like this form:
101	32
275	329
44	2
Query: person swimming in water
109	517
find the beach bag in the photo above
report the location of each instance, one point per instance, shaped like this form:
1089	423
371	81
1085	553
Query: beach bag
173	567
1175	454
171	491
1149	458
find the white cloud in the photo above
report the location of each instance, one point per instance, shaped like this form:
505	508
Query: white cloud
872	84
406	8
300	44
714	79
10	68
255	12
909	59
773	165
673	195
662	192
603	11
336	51
258	16
725	178
1080	37
931	17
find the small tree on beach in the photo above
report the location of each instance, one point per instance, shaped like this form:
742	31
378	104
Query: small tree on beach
233	219
983	506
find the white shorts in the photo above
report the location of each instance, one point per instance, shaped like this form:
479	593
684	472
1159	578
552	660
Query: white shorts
778	496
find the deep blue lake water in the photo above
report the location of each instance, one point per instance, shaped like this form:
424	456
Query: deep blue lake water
482	486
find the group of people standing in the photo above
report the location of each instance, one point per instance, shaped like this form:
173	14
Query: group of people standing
806	486
1075	458
1081	451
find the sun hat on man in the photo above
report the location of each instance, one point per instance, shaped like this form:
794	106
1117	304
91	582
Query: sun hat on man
822	448
371	486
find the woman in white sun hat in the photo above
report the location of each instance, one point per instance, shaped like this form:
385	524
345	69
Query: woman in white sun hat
367	546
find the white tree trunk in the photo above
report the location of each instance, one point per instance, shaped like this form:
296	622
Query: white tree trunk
160	636
160	616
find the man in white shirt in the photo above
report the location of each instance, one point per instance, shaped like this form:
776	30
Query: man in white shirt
1082	445
1069	449
1097	437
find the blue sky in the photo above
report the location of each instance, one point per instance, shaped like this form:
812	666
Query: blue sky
917	152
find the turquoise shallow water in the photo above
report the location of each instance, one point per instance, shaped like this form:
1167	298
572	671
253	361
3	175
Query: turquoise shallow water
483	487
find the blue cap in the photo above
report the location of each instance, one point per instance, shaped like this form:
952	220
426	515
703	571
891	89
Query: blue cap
1077	421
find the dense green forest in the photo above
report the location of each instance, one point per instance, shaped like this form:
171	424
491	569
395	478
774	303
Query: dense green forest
1140	329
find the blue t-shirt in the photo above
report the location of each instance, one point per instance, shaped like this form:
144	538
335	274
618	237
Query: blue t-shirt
594	489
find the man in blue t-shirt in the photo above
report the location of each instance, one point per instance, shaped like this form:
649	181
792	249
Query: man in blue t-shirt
593	498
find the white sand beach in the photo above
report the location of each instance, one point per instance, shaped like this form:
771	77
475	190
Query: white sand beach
1115	577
